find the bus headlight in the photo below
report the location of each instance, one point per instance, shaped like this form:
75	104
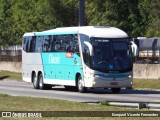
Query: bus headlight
96	76
130	76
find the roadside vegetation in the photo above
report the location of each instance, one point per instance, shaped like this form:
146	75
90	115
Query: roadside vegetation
10	75
14	103
146	83
136	17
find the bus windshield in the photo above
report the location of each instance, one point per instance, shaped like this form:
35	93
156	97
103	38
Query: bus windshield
111	55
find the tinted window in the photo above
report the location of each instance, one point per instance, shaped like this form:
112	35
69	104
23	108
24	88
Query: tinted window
47	43
120	46
39	42
24	43
32	44
29	43
65	43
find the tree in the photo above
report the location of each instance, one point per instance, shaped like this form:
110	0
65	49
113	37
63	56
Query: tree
65	12
20	16
123	14
5	22
136	17
151	15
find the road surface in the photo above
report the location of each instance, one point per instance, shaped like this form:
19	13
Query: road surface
20	88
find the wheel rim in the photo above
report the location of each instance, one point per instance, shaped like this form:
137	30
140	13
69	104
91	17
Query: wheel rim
80	84
35	81
40	81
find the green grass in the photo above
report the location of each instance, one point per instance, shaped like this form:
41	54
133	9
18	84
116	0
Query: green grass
20	103
146	83
10	75
14	103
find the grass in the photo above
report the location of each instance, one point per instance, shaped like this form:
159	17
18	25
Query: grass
14	103
20	103
146	83
10	75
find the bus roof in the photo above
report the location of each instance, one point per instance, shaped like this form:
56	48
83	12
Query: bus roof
29	34
91	31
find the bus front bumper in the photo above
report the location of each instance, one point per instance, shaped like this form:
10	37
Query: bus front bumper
111	82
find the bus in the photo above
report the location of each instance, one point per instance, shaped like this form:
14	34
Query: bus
78	57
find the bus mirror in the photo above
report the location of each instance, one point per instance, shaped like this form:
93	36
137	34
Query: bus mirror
134	49
90	48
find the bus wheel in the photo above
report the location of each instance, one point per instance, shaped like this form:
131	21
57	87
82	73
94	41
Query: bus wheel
43	86
35	81
80	86
115	90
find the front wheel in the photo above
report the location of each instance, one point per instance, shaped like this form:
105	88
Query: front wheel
115	90
80	85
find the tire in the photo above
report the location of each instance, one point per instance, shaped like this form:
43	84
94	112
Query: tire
80	86
43	86
115	90
35	81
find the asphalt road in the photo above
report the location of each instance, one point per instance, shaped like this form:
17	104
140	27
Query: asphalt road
17	88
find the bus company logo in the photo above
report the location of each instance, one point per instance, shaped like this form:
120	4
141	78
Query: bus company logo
53	59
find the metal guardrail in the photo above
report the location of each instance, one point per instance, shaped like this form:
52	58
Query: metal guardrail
139	105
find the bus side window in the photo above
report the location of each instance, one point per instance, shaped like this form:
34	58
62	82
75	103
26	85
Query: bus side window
32	44
76	47
57	43
47	43
64	43
52	44
25	44
39	41
74	43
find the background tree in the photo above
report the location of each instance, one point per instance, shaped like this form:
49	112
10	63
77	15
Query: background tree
5	22
123	14
65	11
151	15
136	17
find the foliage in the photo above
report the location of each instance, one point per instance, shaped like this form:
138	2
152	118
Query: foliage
10	75
153	28
65	11
136	17
106	103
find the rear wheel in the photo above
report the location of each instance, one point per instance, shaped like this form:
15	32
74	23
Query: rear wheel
43	86
35	81
80	86
115	90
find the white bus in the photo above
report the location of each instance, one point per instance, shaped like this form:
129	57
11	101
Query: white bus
78	57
